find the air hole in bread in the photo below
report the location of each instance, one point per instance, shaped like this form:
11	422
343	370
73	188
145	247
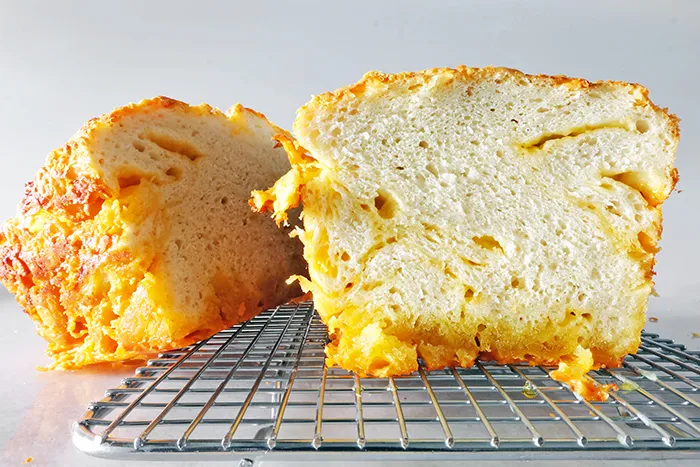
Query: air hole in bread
108	345
345	256
139	146
538	143
385	204
487	242
638	181
642	126
224	200
93	207
79	327
586	316
613	208
515	282
27	280
125	181
175	145
449	272
468	294
424	144
432	169
108	315
174	173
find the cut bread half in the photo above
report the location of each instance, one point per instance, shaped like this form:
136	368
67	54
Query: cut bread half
456	214
136	236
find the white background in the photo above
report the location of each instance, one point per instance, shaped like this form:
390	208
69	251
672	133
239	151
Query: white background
61	64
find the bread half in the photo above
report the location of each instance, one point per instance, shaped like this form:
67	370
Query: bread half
456	214
136	236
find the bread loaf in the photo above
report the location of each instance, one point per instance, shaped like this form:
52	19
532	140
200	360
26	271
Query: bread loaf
136	236
456	214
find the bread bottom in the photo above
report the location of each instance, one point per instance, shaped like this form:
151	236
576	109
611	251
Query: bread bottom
390	349
169	330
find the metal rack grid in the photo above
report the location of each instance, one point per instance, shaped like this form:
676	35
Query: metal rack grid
262	387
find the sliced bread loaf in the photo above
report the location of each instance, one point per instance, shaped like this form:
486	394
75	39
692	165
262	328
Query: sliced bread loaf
453	214
136	236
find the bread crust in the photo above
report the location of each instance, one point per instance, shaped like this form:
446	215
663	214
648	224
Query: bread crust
375	80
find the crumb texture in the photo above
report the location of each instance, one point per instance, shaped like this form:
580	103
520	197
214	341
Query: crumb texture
456	214
136	236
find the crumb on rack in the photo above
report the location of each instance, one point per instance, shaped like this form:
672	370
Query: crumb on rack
629	386
653	319
574	373
695	335
27	460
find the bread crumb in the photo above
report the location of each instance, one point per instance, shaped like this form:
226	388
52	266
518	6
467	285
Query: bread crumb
629	386
574	373
653	319
529	390
695	335
27	460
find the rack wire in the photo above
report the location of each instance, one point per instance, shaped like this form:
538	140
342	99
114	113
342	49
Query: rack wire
262	388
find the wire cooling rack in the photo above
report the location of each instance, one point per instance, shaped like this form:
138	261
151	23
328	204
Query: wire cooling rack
261	389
